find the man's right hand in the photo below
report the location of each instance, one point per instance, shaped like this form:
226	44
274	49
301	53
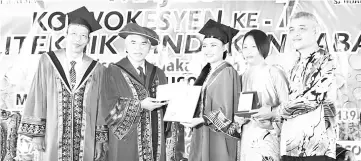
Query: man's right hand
38	143
151	104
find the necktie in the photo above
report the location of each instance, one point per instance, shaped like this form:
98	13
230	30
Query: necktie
72	74
141	73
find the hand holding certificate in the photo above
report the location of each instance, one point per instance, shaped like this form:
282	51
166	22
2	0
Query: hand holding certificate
183	100
193	123
151	103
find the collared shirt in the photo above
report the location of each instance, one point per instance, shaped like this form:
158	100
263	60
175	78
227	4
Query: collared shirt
78	68
135	65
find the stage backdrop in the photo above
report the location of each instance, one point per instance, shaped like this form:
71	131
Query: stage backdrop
29	28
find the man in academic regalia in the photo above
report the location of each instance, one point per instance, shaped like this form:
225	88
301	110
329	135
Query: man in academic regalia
133	115
61	108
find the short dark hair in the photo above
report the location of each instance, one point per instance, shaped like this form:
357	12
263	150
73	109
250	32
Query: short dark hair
262	41
305	15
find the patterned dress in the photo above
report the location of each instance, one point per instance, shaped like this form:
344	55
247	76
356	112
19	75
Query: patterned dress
309	129
271	85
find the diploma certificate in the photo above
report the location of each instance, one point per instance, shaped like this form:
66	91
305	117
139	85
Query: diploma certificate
183	101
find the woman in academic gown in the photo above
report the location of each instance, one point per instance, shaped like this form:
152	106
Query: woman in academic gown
214	136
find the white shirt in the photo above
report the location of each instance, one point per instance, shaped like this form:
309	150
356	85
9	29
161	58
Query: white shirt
136	65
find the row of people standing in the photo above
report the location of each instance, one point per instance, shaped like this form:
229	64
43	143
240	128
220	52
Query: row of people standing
307	132
296	115
79	110
262	138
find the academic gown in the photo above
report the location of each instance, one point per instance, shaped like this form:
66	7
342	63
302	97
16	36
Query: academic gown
134	133
216	139
65	118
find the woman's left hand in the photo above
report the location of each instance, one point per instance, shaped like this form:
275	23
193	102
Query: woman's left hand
264	124
194	122
264	113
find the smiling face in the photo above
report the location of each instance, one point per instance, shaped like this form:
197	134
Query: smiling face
137	47
213	50
250	51
77	38
303	33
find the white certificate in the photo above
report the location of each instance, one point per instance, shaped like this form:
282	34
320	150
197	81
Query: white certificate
166	92
182	104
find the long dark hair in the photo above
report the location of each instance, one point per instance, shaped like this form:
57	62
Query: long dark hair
202	77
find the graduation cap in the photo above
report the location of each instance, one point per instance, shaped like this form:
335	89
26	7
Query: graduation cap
82	16
213	29
133	28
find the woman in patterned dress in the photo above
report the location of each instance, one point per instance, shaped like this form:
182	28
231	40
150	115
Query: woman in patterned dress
260	138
